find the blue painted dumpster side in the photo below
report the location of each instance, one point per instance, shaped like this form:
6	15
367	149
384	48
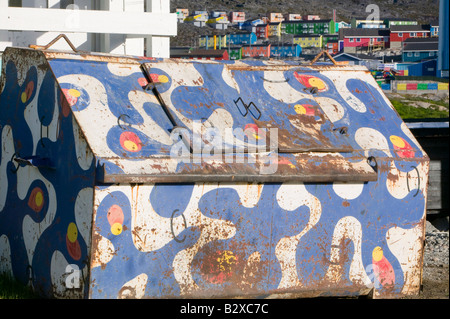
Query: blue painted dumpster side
47	179
324	222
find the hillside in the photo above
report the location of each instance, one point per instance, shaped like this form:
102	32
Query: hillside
423	11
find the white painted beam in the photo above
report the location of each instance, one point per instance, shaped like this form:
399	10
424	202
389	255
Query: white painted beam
90	21
157	45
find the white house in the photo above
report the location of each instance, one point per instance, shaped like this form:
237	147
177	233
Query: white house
131	27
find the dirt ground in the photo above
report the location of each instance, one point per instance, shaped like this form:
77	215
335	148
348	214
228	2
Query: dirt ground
435	283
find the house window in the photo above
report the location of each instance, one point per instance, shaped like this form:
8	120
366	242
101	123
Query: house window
412	34
416	54
64	3
400	34
431	54
350	40
358	40
409	54
15	3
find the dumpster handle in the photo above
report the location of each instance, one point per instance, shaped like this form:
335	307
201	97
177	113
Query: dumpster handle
40	47
372	161
320	54
13	158
171	227
119	118
418	179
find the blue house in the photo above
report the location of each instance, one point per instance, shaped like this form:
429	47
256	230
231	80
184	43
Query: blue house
285	50
434	28
250	25
419	49
241	38
425	68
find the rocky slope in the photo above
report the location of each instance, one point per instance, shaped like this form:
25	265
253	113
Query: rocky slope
422	10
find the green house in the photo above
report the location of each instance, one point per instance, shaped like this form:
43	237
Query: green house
310	26
235	52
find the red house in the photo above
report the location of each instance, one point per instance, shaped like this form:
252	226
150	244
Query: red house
400	33
364	39
262	31
256	50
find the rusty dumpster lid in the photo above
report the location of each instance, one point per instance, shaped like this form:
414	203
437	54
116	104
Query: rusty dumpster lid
159	120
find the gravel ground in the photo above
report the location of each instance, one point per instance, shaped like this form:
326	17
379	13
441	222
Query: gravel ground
436	260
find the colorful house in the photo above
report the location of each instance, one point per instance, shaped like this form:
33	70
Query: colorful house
361	39
198	19
310	17
244	37
425	68
371	62
250	25
389	22
262	31
219	23
309	26
276	17
292	17
416	50
285	50
181	14
367	23
274	29
211	42
400	33
434	28
329	37
332	46
256	50
236	17
308	40
235	52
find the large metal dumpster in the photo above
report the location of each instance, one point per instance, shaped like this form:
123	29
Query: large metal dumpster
126	177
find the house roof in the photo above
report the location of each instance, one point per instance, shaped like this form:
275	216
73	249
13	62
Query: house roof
350	57
409	28
398	19
256	45
434	23
308	21
422	40
433	46
361	32
308	35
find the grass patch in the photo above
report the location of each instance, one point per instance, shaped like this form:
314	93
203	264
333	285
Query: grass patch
407	111
12	289
422	99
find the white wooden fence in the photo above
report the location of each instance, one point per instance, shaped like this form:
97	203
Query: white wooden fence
131	27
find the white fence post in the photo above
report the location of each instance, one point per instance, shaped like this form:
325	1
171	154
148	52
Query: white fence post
157	46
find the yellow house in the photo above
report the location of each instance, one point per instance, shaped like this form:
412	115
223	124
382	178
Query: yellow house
274	28
212	41
308	40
